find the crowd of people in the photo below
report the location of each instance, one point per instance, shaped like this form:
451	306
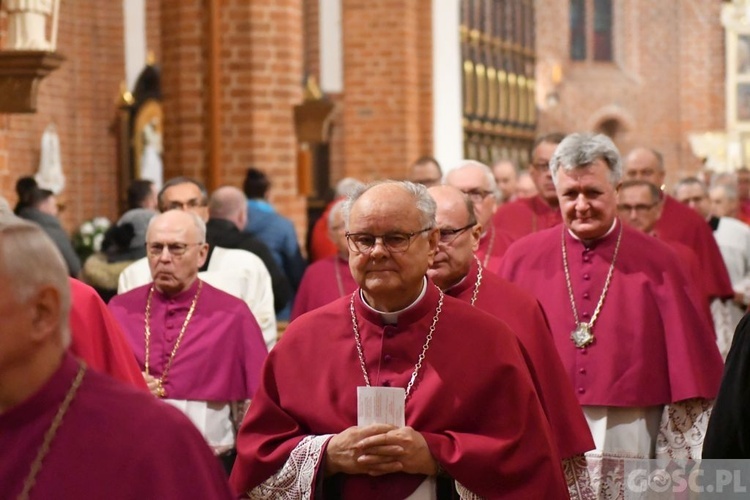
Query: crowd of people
485	332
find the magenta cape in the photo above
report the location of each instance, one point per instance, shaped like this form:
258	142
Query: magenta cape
522	313
653	345
115	442
681	223
97	339
525	216
320	286
221	353
474	400
492	247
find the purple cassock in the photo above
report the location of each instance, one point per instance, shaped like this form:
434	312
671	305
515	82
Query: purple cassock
221	353
653	344
115	442
681	223
323	282
523	314
525	216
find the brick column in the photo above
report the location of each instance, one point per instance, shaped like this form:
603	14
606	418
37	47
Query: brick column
261	71
387	111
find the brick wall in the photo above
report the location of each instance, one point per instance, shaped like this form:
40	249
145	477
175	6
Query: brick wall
79	99
386	111
666	81
261	68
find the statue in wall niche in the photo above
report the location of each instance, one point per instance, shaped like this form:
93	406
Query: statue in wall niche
27	20
151	162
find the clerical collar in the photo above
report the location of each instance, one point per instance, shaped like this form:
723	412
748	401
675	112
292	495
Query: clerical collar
589	242
391	318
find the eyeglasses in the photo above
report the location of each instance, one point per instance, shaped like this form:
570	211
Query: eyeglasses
540	166
393	242
186	205
639	208
477	195
174	249
447	236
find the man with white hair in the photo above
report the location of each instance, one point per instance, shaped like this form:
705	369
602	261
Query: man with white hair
65	430
462	409
234	271
626	321
475	179
199	348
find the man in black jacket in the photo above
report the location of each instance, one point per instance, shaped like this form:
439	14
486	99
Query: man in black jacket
227	217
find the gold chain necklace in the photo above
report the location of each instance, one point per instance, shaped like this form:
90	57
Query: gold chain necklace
477	282
490	246
36	465
582	335
426	345
160	392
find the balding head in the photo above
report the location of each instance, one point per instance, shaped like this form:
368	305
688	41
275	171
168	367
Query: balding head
459	236
645	164
229	203
34	308
476	180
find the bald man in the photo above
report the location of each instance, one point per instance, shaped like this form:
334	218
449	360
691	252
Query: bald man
227	217
67	431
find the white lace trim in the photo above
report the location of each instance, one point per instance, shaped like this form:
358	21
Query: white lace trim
295	479
683	428
464	492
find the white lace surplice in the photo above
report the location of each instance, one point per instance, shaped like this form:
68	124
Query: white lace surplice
295	479
674	431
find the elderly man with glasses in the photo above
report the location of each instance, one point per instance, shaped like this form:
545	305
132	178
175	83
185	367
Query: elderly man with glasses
460	274
380	394
475	179
233	270
200	349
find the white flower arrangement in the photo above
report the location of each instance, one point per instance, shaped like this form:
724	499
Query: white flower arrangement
90	235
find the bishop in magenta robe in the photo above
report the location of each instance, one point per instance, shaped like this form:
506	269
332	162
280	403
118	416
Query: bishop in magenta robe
474	403
324	281
96	337
221	353
680	223
525	216
523	314
653	345
114	442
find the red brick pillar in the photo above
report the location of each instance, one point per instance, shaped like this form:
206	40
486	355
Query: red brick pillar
387	112
261	75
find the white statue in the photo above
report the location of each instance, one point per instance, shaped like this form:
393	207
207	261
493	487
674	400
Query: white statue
151	162
27	21
50	175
